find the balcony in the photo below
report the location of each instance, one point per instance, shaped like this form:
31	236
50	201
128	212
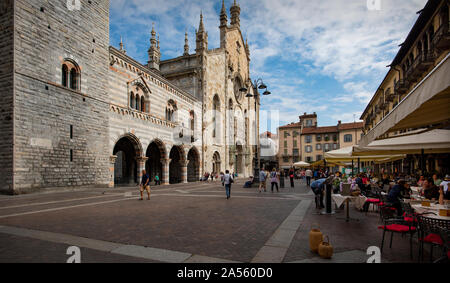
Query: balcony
377	109
401	87
420	65
424	61
382	104
441	39
390	96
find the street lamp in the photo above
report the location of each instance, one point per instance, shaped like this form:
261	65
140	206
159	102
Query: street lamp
258	84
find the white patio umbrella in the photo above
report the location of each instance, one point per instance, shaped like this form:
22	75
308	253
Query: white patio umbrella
302	164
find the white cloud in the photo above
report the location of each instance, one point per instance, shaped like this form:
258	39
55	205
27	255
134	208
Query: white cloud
291	42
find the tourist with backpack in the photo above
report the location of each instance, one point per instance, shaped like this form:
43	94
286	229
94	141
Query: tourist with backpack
228	180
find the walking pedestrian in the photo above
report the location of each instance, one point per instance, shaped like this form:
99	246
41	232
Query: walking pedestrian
228	180
145	185
291	177
274	179
262	180
308	175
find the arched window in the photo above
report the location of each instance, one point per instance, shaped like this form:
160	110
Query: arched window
192	126
138	102
73	79
65	74
143	105
170	111
70	75
216	110
132	100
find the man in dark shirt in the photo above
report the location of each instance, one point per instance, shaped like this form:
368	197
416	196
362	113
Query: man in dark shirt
395	194
431	191
145	184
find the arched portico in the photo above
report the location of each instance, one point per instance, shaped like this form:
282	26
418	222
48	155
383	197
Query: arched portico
126	157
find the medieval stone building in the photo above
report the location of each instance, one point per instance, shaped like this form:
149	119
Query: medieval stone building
77	112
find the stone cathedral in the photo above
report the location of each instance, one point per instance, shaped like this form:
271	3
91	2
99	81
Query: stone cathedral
77	112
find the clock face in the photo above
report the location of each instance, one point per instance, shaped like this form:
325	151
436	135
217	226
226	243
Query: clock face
237	86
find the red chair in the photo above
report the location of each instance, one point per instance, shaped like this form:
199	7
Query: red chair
430	233
395	224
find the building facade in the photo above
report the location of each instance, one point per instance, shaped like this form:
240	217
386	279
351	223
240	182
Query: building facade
78	112
426	46
305	141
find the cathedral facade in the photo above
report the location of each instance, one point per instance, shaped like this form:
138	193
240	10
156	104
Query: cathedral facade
77	112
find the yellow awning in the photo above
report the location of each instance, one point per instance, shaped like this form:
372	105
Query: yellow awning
329	163
435	141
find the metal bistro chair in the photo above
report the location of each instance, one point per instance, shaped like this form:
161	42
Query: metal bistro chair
409	215
445	236
429	233
395	224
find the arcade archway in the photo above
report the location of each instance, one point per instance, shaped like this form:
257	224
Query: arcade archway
176	159
216	163
155	153
127	150
193	169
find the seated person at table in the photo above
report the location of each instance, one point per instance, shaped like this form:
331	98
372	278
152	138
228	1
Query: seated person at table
444	187
385	180
318	187
430	190
421	181
436	180
395	194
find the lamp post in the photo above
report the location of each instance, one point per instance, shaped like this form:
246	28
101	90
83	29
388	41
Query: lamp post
258	84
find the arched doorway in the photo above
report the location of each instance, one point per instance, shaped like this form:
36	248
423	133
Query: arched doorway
216	163
176	159
155	152
193	169
127	150
239	160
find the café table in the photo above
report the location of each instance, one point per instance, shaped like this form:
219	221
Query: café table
358	201
433	208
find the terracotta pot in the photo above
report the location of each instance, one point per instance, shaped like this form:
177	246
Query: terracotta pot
325	249
315	238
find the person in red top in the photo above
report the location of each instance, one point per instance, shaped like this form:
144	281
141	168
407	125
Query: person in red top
291	177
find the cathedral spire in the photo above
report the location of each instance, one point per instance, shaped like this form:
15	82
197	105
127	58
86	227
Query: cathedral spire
186	44
202	37
201	27
154	54
223	15
235	12
122	46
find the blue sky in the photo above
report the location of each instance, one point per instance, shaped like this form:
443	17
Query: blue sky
324	56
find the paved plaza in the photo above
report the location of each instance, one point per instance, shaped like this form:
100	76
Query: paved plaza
182	223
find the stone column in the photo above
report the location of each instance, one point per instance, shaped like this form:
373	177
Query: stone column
112	163
141	166
165	171
184	178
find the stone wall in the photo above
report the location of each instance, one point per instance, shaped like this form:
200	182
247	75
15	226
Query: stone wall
46	34
7	96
